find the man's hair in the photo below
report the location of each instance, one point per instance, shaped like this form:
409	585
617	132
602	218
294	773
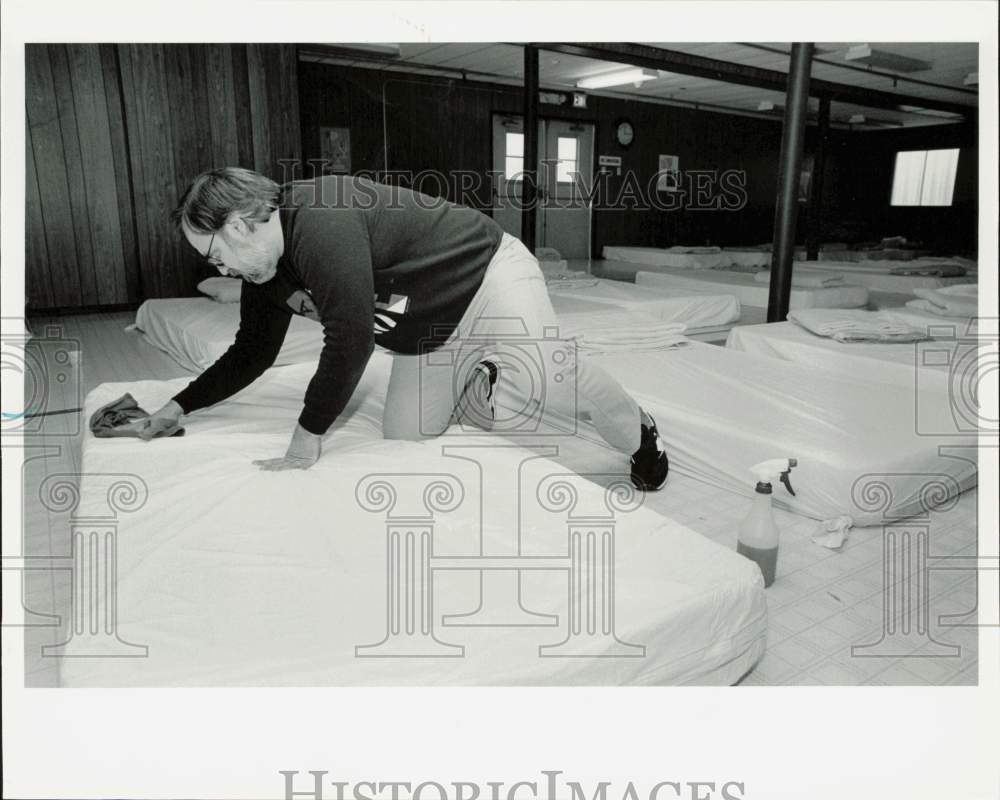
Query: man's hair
213	196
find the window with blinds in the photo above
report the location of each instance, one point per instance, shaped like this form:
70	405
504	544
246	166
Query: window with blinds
924	177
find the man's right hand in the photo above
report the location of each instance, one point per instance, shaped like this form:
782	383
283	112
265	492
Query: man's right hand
163	420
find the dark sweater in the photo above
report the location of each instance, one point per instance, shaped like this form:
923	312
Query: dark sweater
373	264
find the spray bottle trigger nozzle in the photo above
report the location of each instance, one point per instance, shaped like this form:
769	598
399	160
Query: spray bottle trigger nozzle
785	480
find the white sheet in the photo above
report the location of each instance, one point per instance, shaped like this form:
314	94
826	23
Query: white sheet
695	312
721	411
747	290
233	576
655	256
195	331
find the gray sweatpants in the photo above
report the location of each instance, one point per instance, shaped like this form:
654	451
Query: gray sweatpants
543	387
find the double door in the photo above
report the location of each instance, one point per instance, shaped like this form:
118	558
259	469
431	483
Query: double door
565	178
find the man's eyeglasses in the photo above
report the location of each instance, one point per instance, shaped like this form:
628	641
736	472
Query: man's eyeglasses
209	258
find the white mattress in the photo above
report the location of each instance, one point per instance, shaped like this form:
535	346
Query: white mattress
696	312
234	576
655	256
721	411
880	362
749	258
749	291
195	331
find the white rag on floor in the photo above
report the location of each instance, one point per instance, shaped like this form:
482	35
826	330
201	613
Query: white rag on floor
856	325
832	532
805	278
946	302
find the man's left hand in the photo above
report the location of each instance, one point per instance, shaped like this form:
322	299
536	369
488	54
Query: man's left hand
304	451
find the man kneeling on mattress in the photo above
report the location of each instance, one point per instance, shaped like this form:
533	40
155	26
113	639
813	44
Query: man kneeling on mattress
426	279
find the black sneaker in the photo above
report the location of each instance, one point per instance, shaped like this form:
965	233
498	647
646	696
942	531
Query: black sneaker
493	373
649	463
478	399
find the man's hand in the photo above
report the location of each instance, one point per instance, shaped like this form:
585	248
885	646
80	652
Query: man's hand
163	420
303	452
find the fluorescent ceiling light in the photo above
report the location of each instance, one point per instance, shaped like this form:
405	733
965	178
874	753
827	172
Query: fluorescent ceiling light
930	112
877	122
865	54
972	79
617	78
768	105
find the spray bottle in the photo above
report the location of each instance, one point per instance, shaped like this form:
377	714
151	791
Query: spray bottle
758	533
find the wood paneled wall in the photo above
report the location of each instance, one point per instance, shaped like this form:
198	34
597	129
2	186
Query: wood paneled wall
115	133
80	245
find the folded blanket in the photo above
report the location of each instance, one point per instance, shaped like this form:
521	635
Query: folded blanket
650	336
965	290
577	283
693	250
756	248
855	325
568	279
806	279
931	270
744	265
123	417
946	304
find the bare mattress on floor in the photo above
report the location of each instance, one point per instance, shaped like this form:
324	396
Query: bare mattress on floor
573	299
866	450
387	563
955	348
195	331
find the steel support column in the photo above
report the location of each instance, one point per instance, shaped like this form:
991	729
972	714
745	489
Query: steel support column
529	186
816	190
789	167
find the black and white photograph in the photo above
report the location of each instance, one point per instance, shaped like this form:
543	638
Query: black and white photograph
369	384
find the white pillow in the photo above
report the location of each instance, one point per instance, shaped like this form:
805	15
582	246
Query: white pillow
222	290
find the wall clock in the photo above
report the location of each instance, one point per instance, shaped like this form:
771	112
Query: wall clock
624	132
